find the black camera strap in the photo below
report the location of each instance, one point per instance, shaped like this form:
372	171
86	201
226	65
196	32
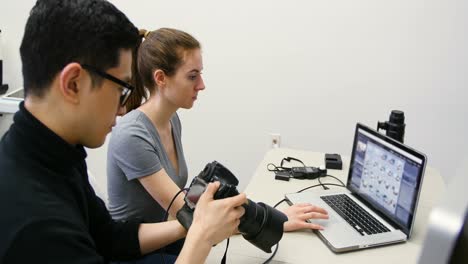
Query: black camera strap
223	261
166	215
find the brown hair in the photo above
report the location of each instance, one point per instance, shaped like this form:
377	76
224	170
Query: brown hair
161	49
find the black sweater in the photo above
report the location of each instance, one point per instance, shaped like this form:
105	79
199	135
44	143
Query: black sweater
49	213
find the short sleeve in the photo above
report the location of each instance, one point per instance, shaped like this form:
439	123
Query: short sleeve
133	150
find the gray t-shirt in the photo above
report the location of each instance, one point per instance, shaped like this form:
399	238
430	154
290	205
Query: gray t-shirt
135	150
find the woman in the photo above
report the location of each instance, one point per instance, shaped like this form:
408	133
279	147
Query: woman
146	162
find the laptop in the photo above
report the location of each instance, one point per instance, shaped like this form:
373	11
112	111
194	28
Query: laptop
378	205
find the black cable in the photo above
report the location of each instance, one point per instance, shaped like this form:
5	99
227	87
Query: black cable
320	182
166	215
223	261
272	255
280	167
288	159
335	178
277	244
272	167
278	203
277	168
328	184
328	175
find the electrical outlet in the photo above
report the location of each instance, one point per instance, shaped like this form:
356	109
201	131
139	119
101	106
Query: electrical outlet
275	141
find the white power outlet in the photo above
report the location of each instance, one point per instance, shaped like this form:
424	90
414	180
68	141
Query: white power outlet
275	141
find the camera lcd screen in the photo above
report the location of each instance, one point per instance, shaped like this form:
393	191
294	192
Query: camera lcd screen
194	193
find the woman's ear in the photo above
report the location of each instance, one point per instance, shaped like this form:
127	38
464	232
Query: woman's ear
71	82
159	78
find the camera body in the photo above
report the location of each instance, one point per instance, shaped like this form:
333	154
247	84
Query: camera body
261	225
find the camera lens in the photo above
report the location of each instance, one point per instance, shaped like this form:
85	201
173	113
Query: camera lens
397	117
262	225
396	125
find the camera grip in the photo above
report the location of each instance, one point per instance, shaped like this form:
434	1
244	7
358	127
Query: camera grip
185	216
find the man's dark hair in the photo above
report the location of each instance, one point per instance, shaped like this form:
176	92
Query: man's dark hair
59	32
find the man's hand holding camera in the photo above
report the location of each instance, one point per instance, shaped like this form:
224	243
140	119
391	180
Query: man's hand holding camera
213	221
218	219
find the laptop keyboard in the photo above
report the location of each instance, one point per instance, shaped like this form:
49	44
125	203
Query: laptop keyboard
354	214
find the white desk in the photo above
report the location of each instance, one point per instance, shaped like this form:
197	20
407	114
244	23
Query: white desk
305	246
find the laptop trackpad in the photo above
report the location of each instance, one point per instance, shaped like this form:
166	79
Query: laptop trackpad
335	224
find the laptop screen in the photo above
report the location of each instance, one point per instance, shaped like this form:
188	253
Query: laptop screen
386	174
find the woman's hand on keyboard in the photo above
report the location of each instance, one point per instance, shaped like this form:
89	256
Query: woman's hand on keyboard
298	215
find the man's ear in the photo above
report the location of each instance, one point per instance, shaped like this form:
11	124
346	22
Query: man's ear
71	82
159	78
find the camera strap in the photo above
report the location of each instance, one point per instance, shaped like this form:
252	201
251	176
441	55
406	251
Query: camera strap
223	261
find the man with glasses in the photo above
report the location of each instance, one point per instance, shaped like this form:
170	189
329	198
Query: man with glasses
77	57
127	88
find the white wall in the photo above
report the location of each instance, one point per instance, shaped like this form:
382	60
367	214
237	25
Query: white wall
308	70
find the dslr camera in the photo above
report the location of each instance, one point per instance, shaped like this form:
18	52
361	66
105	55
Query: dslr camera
261	225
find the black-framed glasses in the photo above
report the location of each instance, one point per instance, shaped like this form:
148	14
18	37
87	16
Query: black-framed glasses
127	88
